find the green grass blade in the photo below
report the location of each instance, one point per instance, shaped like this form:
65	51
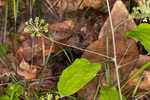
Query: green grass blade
45	65
67	55
136	73
5	27
76	12
39	7
15	12
107	67
137	85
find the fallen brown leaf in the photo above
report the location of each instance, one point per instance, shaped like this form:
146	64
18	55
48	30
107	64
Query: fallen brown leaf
2	3
62	26
26	70
71	5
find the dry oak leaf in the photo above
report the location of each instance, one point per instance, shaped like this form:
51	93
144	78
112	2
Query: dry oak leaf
121	19
26	70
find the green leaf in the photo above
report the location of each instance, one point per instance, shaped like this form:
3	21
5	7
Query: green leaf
4	49
76	76
4	98
14	91
142	33
110	93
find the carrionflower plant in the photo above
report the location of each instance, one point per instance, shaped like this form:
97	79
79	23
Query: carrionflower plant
37	27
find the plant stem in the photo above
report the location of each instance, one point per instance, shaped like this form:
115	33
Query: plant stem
43	50
114	48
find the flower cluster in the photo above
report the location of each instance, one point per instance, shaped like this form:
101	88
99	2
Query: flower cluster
37	27
142	11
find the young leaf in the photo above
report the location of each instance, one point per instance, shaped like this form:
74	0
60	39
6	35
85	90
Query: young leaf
110	93
76	76
142	34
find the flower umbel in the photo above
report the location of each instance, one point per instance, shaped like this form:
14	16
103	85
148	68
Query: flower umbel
37	27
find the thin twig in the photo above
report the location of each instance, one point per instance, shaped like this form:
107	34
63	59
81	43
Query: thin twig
114	48
139	98
93	52
122	58
133	61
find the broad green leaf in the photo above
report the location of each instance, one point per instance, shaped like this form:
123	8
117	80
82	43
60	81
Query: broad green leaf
110	93
4	98
142	33
76	76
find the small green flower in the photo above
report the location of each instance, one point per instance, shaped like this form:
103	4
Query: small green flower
56	97
39	35
27	29
26	23
37	27
30	21
49	96
42	21
33	35
142	11
42	98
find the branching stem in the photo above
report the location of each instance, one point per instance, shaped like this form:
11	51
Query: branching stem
114	49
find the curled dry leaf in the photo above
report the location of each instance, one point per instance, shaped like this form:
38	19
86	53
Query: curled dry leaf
26	70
